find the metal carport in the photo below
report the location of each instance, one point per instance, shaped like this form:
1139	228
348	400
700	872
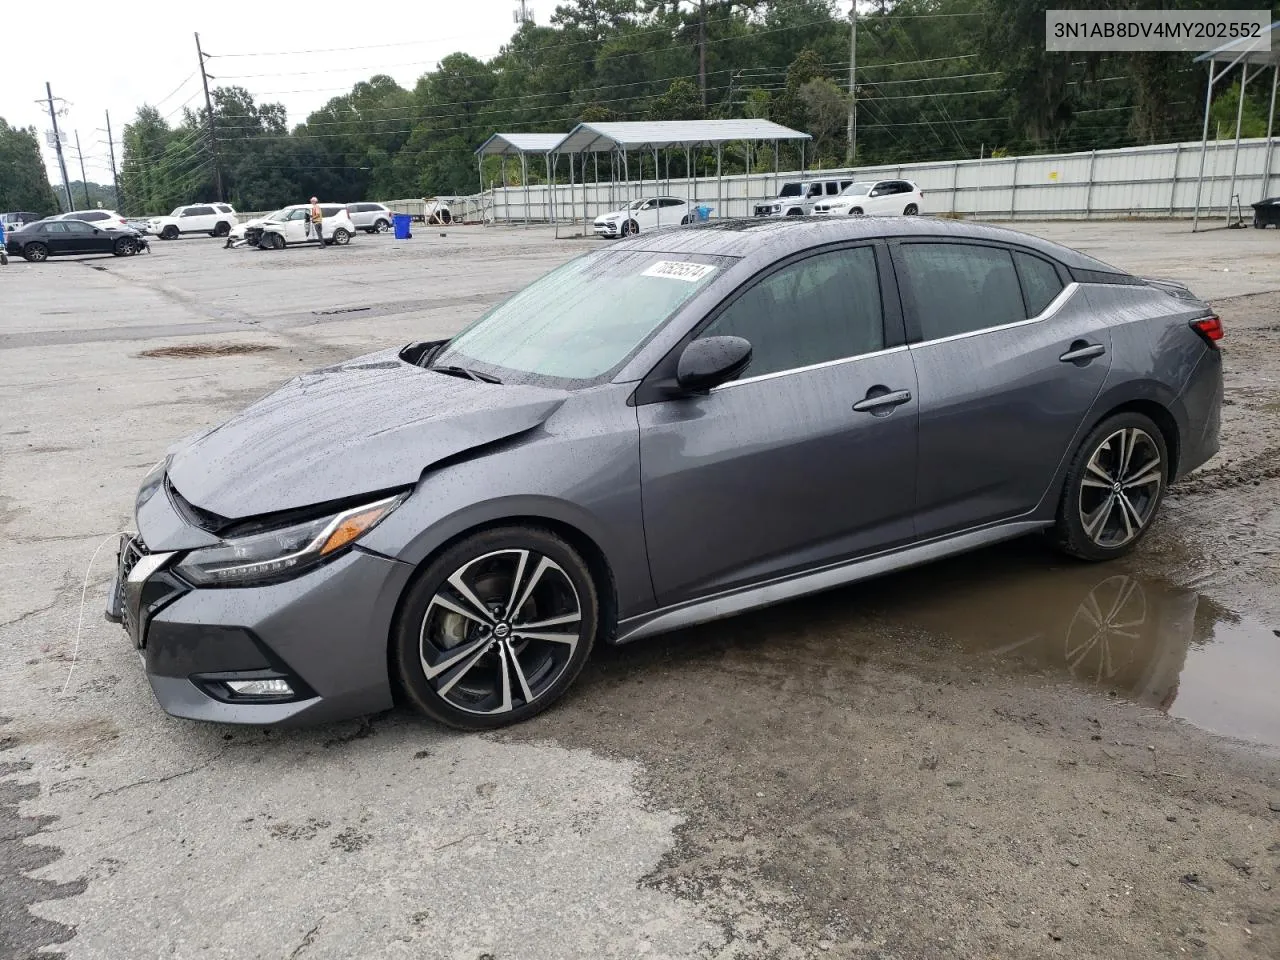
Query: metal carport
621	138
521	145
1246	53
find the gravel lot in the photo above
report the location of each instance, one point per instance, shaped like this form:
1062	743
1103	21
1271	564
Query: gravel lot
931	765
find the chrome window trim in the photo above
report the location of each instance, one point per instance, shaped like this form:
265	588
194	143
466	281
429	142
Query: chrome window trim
1053	307
806	369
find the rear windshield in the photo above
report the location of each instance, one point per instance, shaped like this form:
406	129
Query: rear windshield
582	320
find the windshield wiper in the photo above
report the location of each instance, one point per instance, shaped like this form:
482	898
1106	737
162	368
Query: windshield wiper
456	371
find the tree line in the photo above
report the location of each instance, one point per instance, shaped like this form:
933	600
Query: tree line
936	79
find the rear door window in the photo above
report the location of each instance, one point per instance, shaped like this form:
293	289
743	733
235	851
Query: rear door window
199	212
956	288
1040	282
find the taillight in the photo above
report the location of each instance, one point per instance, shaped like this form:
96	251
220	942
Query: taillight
1210	328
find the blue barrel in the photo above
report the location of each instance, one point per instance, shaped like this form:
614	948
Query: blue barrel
703	211
400	223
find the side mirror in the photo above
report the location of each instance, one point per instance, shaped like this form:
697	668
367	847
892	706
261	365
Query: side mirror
711	361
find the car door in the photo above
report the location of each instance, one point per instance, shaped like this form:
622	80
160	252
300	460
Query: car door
647	215
881	199
198	220
295	226
82	237
1009	359
54	235
806	459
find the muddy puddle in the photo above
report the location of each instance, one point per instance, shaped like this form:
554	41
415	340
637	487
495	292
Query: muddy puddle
1108	627
1019	607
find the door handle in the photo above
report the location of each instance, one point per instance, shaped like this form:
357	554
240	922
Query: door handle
1081	350
876	400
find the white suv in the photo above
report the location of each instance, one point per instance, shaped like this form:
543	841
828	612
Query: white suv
291	225
215	219
885	198
797	197
102	219
370	217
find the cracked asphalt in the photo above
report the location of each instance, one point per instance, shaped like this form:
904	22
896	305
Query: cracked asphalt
928	766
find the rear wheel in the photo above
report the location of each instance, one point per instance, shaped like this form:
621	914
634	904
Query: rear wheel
36	252
685	220
911	210
341	237
222	229
496	628
381	226
169	233
1114	488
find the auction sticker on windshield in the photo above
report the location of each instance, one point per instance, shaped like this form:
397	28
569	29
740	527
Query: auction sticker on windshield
679	270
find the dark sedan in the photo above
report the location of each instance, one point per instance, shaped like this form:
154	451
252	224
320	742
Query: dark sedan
689	425
54	238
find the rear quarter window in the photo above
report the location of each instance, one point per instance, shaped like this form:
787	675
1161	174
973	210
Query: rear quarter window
1040	282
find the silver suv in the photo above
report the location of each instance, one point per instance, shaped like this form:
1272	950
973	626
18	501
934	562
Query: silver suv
797	197
370	217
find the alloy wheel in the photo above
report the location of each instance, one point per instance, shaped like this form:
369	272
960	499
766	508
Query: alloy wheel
381	226
500	631
36	252
1120	487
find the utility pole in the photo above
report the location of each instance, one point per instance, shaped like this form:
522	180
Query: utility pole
84	181
851	134
702	51
213	126
57	144
115	177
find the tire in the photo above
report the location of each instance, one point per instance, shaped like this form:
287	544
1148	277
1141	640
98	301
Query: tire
341	237
911	210
125	247
271	241
169	233
630	228
380	226
1113	490
469	651
222	229
445	217
795	212
35	252
685	220
855	212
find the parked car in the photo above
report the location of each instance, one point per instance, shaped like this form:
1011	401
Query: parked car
654	435
18	219
103	219
292	226
875	198
370	217
215	219
796	198
644	214
39	241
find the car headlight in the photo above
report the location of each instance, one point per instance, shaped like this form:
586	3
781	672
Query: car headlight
284	552
151	482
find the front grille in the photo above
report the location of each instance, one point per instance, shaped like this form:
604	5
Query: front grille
132	551
253	234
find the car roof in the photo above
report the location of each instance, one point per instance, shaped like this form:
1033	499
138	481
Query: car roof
772	238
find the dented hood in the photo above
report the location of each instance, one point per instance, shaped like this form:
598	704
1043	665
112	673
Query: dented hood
370	424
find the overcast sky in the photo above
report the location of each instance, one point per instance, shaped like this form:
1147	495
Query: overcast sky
116	56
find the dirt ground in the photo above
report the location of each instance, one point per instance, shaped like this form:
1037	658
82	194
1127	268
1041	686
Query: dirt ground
950	762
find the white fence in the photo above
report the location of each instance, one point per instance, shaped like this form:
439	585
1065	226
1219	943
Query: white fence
1154	181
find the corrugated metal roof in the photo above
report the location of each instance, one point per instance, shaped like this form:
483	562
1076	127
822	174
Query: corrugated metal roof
1241	49
635	135
520	143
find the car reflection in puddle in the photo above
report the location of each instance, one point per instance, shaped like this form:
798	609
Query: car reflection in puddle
1103	626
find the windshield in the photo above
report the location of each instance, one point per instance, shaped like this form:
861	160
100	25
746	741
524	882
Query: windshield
177	212
791	190
857	189
581	320
636	204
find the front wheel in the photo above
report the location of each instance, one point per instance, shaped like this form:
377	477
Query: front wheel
36	252
125	247
630	228
169	233
1114	488
496	628
911	210
855	212
341	237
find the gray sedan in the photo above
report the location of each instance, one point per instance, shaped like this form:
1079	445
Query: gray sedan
685	426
